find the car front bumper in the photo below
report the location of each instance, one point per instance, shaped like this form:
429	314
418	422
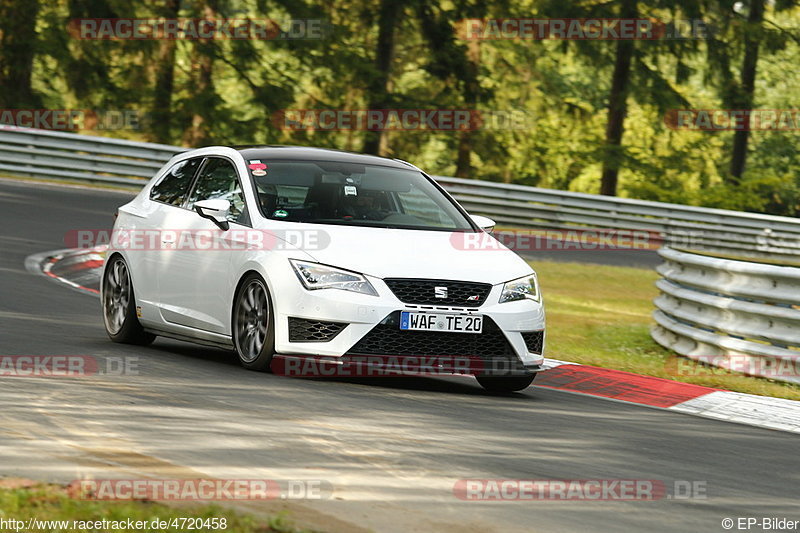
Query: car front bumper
362	313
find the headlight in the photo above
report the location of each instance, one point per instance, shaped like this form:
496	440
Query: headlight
315	276
520	289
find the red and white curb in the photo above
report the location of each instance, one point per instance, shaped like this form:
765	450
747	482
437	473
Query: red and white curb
81	269
749	409
760	411
78	269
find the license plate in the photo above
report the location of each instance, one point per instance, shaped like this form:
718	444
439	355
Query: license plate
438	322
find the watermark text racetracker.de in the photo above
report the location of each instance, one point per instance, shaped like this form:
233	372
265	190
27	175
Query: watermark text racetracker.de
71	119
390	366
731	366
581	29
200	489
441	120
193	29
733	119
488	490
234	239
584	239
67	366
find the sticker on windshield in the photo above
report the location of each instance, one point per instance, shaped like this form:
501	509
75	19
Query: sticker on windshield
280	213
350	190
255	161
257	166
259	172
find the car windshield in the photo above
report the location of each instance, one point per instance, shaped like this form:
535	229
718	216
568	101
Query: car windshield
321	192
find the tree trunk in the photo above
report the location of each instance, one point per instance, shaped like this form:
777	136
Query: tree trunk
17	49
450	64
617	108
161	112
745	95
464	155
471	94
198	133
378	97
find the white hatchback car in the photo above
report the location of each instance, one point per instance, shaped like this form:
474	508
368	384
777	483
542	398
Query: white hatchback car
300	254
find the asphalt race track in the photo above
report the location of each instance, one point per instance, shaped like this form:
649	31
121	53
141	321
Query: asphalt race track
392	449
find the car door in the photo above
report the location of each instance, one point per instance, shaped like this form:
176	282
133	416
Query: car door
143	236
195	274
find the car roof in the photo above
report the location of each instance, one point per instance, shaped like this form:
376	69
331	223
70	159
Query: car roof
315	154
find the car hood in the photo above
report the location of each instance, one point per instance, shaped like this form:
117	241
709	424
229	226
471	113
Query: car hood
404	253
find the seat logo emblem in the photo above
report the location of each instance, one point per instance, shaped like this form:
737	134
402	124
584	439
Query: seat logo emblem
440	292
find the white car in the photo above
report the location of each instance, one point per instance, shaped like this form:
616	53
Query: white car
305	254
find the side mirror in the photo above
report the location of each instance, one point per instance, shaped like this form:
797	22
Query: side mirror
214	210
485	223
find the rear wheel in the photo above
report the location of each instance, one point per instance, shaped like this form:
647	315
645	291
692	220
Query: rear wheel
505	383
119	306
253	331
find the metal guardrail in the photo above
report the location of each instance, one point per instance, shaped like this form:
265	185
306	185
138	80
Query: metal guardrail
734	232
52	154
48	154
733	314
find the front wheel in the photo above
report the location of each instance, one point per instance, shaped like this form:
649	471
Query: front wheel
253	332
505	383
119	306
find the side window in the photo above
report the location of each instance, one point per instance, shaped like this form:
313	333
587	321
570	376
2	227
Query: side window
218	180
174	186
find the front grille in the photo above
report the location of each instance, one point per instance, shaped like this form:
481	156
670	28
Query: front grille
387	338
304	330
534	341
424	291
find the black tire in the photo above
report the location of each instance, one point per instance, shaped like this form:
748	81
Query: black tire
119	305
252	324
505	383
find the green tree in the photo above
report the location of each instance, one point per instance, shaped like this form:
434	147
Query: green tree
631	70
455	63
18	43
164	83
204	104
378	97
746	37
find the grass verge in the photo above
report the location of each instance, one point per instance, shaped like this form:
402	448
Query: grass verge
23	501
601	315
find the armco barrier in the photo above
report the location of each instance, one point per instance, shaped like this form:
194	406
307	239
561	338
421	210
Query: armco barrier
734	232
733	314
51	154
